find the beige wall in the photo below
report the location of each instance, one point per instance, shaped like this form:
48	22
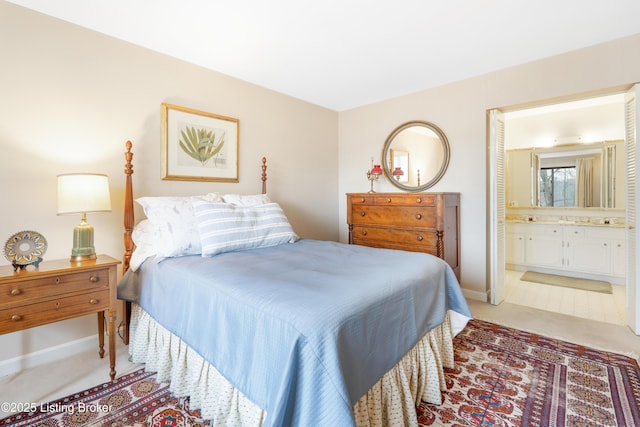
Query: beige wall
459	109
70	98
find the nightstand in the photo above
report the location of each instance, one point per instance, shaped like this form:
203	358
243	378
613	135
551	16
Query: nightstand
59	290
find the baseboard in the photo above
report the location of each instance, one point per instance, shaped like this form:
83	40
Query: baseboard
48	355
475	295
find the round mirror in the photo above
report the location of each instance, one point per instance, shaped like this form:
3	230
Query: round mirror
415	156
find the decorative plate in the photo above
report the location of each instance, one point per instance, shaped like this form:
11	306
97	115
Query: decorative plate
25	247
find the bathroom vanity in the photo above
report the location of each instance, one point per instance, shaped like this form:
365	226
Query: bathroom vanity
579	249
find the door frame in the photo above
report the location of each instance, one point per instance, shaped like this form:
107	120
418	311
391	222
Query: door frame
496	255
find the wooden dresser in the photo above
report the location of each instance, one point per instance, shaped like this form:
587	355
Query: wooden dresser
418	222
59	290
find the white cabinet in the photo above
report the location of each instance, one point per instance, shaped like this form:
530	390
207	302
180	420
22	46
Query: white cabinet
590	249
619	254
584	249
514	248
543	246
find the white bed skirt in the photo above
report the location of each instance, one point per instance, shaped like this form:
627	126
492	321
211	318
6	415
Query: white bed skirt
391	401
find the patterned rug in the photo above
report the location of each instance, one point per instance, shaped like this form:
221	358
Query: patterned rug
503	378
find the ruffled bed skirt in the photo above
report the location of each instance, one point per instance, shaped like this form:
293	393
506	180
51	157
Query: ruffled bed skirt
391	401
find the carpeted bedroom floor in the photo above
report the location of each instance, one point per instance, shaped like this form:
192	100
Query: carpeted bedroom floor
52	381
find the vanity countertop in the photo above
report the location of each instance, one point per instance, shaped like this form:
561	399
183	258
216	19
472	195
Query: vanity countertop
613	223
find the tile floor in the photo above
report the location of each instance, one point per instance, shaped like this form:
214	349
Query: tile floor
51	381
607	308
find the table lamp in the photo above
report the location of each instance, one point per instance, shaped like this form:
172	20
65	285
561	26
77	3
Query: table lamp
80	193
373	174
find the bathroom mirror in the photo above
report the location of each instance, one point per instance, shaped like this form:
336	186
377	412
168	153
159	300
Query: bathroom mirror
584	176
415	156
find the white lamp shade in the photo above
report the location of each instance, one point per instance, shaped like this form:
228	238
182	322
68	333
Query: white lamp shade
82	193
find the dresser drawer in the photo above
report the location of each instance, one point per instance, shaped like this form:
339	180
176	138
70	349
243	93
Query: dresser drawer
408	216
21	291
40	313
362	235
394	199
417	222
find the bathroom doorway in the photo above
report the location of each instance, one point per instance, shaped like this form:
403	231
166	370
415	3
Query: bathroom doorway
542	127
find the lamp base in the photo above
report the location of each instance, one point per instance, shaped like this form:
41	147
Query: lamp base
80	258
83	249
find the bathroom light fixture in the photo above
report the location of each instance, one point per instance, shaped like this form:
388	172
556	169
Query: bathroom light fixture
80	193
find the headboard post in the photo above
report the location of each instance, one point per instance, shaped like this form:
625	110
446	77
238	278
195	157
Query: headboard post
128	208
128	230
264	175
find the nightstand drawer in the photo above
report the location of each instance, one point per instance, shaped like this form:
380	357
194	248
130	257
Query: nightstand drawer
20	291
363	235
40	313
409	216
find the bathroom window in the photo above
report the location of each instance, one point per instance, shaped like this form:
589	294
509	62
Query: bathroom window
557	186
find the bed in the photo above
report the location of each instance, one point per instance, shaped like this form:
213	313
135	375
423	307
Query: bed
260	327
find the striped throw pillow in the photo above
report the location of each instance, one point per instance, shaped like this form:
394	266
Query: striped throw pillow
226	228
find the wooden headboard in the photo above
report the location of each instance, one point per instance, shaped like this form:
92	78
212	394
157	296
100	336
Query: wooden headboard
129	218
129	222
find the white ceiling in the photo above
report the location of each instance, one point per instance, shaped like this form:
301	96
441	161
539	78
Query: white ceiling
341	54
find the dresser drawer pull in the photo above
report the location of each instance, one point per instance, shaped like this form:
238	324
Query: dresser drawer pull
364	232
389	200
420	238
93	301
363	213
418	200
15	292
362	200
418	216
57	280
16	318
94	279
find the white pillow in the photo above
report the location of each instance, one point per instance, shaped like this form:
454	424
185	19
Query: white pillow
175	224
145	238
246	200
225	227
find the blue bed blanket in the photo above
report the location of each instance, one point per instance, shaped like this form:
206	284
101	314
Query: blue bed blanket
302	329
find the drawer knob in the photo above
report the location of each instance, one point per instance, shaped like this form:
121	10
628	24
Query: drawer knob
57	280
15	292
389	200
418	200
93	301
419	238
362	213
362	200
364	232
94	279
16	318
418	216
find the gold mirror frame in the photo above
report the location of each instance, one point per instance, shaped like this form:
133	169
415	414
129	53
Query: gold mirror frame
443	163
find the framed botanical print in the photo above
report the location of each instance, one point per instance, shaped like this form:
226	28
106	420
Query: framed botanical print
198	146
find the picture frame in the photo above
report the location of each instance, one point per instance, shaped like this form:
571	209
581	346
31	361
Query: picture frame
198	146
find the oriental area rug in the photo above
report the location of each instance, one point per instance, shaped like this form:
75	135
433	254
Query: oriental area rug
503	377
